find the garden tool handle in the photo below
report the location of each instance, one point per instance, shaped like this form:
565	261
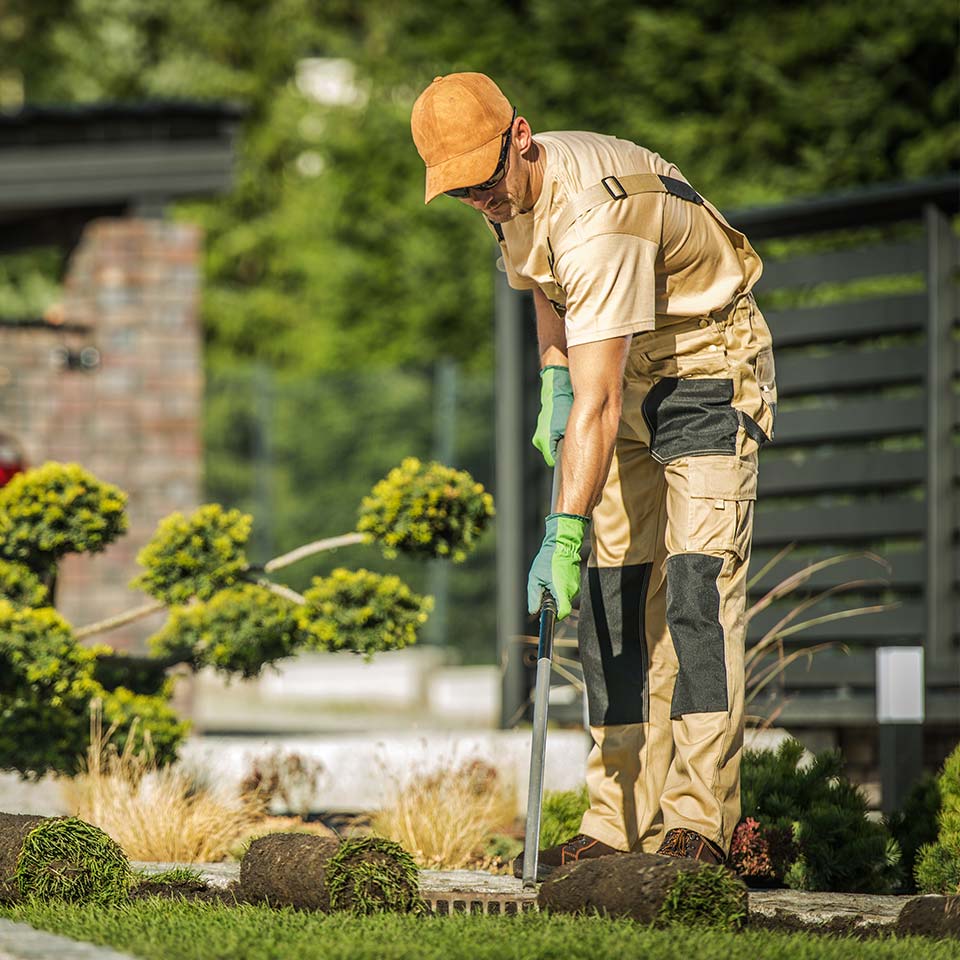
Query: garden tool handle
541	702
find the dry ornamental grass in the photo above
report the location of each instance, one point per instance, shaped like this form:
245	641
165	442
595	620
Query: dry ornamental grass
155	814
445	817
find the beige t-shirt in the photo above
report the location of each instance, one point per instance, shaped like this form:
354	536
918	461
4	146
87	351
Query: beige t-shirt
626	264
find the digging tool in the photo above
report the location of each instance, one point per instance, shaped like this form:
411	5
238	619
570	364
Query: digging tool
541	702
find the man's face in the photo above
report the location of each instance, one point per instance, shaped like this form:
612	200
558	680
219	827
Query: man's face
505	200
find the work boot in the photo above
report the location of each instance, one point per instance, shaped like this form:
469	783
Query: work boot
580	847
681	842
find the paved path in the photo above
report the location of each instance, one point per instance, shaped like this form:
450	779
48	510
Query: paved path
19	941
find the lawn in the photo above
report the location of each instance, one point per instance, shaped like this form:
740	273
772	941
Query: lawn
177	930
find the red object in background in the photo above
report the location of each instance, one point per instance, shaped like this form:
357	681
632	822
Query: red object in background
11	460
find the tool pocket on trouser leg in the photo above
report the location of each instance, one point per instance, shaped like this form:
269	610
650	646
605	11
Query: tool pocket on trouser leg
710	526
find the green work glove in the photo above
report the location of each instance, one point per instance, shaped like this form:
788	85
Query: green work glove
556	567
556	399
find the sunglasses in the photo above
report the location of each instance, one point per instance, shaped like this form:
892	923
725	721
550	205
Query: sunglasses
498	174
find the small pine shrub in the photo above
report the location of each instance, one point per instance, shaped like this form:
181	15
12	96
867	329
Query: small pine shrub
426	509
237	631
361	611
938	864
146	718
834	846
914	825
194	557
561	814
56	509
21	586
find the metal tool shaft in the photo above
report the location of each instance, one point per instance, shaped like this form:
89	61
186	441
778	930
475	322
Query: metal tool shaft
541	703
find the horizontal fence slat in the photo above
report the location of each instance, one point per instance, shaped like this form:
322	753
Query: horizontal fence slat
843	709
907	570
896	625
847	321
858	522
876	260
833	668
850	369
854	470
858	420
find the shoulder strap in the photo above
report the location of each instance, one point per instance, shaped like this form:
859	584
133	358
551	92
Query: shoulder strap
618	188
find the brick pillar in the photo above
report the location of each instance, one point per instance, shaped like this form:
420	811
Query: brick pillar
132	292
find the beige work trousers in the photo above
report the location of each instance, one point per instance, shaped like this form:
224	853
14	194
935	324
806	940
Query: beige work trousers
663	598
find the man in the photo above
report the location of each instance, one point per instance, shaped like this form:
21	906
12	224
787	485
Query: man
657	368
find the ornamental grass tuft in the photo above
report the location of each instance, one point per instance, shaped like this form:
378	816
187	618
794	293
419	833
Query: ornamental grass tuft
371	875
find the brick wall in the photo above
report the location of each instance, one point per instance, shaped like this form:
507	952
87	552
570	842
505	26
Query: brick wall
131	293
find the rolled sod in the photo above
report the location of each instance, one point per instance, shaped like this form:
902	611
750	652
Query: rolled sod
374	875
287	870
60	858
648	888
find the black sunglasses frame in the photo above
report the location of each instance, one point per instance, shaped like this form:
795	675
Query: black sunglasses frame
498	174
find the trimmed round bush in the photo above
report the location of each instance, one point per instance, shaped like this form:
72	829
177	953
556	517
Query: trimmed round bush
55	509
61	858
21	586
373	875
46	683
426	510
362	611
145	717
195	556
236	631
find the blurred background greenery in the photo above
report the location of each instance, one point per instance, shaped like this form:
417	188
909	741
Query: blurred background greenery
346	325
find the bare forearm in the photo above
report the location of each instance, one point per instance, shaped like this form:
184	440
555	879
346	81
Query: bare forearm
551	335
587	452
596	372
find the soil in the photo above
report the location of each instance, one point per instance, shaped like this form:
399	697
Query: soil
14	828
287	869
628	885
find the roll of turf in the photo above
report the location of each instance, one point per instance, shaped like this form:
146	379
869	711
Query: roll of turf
374	875
287	870
60	858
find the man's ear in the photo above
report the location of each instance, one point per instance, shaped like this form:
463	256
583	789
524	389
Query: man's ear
522	135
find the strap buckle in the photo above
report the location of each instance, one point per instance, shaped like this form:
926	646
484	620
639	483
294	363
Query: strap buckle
619	186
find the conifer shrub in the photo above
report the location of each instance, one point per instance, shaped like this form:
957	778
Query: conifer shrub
560	816
833	845
56	509
236	631
426	509
914	825
21	586
144	722
195	556
361	611
938	864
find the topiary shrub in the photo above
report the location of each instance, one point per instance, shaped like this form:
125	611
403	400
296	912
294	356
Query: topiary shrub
833	845
361	611
195	556
914	825
560	815
426	509
148	719
21	586
236	631
56	509
938	864
373	875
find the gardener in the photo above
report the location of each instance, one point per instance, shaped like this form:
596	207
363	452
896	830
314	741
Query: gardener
657	365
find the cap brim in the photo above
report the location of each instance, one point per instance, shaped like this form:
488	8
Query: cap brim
463	171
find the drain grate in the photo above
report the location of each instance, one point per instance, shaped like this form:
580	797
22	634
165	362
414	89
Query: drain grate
445	903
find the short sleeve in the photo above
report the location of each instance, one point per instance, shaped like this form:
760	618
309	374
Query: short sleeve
610	286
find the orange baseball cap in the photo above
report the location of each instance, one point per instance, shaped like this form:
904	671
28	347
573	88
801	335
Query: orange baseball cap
458	124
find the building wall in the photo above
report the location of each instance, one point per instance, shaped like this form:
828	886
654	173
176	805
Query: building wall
132	294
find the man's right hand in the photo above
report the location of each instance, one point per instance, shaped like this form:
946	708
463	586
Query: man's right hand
556	399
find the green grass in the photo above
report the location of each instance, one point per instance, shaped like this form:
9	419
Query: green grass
177	930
